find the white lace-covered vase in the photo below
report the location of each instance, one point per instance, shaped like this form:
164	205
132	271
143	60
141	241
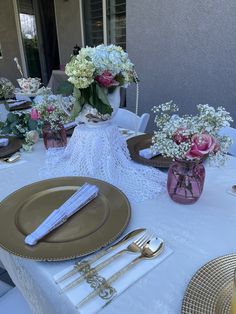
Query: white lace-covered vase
90	116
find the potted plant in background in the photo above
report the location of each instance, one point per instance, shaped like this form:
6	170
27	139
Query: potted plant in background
189	140
97	74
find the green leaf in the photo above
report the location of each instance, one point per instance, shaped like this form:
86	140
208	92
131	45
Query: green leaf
76	109
6	130
65	88
32	124
11	117
101	101
120	78
77	93
101	95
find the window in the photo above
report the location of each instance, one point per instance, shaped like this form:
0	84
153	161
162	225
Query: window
104	22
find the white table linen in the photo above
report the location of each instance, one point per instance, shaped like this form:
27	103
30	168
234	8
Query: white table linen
80	158
196	233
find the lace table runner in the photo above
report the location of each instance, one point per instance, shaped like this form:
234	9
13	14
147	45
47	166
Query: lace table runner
101	152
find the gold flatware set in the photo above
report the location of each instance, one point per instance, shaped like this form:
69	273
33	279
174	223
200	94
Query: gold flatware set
146	246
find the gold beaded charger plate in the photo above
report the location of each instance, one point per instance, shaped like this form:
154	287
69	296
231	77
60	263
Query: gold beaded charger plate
210	289
136	143
13	146
96	225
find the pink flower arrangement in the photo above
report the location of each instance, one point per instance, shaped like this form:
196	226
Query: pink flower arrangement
191	137
49	111
106	79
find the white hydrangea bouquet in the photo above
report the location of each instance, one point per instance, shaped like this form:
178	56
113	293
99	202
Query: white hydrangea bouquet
95	73
191	137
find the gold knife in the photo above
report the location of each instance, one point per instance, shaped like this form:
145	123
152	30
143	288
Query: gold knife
93	259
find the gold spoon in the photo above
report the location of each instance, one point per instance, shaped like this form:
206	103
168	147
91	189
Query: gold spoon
12	158
152	249
97	256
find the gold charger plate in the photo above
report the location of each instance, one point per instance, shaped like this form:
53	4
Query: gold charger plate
136	143
93	227
14	145
210	289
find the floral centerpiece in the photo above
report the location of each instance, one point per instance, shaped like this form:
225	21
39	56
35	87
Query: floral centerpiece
21	125
6	88
189	140
97	73
28	85
50	114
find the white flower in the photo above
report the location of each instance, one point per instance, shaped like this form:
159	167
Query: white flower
174	134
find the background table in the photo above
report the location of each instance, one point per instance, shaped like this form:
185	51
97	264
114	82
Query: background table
196	233
57	78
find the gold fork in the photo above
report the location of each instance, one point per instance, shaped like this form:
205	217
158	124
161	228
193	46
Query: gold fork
134	247
79	266
152	249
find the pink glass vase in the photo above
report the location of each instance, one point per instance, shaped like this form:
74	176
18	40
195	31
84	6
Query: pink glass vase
185	181
54	138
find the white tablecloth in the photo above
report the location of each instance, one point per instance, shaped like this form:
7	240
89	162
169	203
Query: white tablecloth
196	233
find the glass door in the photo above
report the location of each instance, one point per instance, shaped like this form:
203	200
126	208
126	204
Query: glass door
29	37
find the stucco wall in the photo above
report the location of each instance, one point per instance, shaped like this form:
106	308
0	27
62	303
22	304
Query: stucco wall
9	41
68	27
184	50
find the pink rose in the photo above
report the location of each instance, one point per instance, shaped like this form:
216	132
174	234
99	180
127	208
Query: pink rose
35	115
179	137
202	145
106	79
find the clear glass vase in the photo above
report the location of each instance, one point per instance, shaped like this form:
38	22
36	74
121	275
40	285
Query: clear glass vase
185	181
52	137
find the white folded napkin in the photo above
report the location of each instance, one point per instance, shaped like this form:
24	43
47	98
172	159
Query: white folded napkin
4	142
20	96
70	125
78	293
78	200
17	103
147	153
10	100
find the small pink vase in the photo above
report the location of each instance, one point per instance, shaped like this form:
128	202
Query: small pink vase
54	138
185	181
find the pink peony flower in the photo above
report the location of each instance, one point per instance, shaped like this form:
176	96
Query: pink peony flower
179	137
202	145
106	79
35	115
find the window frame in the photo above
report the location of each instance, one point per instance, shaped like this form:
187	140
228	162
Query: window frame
104	19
